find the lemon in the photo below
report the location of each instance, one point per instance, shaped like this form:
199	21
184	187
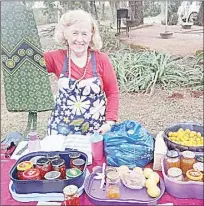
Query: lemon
154	176
147	172
153	191
150	182
187	131
181	130
138	169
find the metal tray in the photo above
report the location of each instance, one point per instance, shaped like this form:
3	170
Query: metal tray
128	196
45	186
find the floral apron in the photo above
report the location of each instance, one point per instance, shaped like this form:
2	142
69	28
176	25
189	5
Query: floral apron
80	106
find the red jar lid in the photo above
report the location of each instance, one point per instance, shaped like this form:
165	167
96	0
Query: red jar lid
78	162
31	174
58	162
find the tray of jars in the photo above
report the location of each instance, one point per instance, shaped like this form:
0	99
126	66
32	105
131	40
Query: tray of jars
48	172
185	136
123	186
183	174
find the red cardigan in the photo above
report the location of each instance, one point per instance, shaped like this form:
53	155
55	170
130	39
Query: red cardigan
54	63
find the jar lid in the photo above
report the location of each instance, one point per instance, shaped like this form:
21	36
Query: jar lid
70	190
52	155
78	162
52	175
194	175
42	161
172	153
113	176
24	166
174	172
33	172
74	172
34	159
198	166
200	158
74	155
58	162
188	154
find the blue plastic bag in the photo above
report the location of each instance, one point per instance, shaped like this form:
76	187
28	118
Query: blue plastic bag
128	144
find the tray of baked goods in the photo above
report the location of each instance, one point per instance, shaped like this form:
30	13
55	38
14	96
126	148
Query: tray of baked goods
121	185
48	172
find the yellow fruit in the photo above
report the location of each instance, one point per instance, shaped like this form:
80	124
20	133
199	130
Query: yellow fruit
181	130
153	191
150	183
147	172
154	176
198	134
187	131
170	134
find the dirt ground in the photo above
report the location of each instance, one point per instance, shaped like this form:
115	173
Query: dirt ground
183	42
155	112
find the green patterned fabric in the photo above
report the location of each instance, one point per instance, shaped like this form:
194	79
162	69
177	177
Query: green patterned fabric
26	81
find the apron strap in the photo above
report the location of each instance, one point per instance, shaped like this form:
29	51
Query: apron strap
65	65
93	60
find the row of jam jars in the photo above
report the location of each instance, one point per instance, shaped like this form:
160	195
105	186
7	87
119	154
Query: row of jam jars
71	196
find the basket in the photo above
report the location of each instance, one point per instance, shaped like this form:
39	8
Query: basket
45	186
197	127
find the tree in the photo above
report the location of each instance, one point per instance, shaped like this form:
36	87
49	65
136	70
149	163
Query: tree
136	13
200	15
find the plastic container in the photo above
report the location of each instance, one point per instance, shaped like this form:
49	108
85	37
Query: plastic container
182	189
128	196
44	186
186	125
33	142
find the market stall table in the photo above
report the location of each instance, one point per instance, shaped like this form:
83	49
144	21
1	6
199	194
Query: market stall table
6	198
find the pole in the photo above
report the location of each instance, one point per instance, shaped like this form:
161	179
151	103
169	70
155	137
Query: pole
166	16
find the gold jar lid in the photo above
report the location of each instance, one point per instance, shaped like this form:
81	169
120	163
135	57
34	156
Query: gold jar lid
113	176
194	175
23	166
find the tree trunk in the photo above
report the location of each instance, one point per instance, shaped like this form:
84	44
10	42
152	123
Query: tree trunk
136	13
200	15
103	11
113	12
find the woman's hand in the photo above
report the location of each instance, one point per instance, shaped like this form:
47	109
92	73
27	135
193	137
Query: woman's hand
106	127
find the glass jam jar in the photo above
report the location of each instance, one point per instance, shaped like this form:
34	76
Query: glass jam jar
175	173
59	165
187	161
51	156
44	165
193	175
78	163
32	174
172	159
71	196
22	167
113	185
73	156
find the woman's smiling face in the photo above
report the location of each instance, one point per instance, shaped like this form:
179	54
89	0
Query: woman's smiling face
79	36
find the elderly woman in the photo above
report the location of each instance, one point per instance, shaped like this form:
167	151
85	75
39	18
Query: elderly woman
88	94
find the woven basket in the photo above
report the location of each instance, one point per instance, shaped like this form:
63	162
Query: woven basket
185	125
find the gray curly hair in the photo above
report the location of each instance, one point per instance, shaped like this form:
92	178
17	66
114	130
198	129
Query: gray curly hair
72	17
